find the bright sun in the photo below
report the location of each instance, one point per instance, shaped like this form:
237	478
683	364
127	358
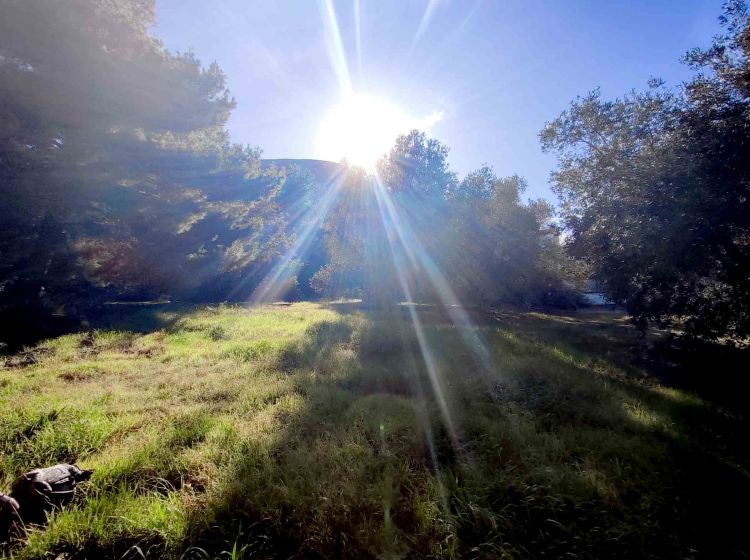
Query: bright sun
361	129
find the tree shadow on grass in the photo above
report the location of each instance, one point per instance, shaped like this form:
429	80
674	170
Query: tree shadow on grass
554	458
19	329
338	478
714	372
693	486
556	445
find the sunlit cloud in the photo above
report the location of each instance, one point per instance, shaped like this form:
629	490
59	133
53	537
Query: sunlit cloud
428	122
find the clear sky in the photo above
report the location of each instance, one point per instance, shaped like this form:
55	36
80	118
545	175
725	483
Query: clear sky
483	75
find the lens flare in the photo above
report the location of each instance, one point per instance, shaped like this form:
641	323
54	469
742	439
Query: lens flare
305	225
360	129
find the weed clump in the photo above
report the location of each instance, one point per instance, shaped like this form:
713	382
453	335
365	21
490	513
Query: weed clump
216	332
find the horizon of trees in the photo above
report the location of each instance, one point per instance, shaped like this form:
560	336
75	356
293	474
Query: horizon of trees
413	230
124	185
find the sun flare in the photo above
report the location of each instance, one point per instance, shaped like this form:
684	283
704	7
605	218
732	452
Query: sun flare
360	129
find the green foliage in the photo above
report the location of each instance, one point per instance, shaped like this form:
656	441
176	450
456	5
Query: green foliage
417	166
656	186
121	183
399	234
497	250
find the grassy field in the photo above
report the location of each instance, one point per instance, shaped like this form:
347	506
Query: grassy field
328	431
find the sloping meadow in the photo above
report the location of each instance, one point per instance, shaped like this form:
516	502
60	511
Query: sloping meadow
312	430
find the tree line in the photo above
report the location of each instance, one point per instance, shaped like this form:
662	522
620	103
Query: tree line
414	231
119	181
114	161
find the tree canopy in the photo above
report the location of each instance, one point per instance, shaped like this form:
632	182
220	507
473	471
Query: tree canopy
655	190
116	173
413	229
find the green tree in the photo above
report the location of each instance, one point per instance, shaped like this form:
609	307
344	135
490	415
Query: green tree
123	145
654	190
413	225
497	250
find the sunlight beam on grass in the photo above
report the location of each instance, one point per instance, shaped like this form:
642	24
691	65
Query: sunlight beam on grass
427	356
419	258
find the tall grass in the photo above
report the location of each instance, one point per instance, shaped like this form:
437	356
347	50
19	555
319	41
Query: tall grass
315	431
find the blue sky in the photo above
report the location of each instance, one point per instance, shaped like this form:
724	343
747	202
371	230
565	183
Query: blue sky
495	71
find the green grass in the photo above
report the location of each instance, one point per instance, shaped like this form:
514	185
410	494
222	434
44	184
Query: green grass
316	431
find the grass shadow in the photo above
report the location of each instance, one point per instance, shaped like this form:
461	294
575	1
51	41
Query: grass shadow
556	458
